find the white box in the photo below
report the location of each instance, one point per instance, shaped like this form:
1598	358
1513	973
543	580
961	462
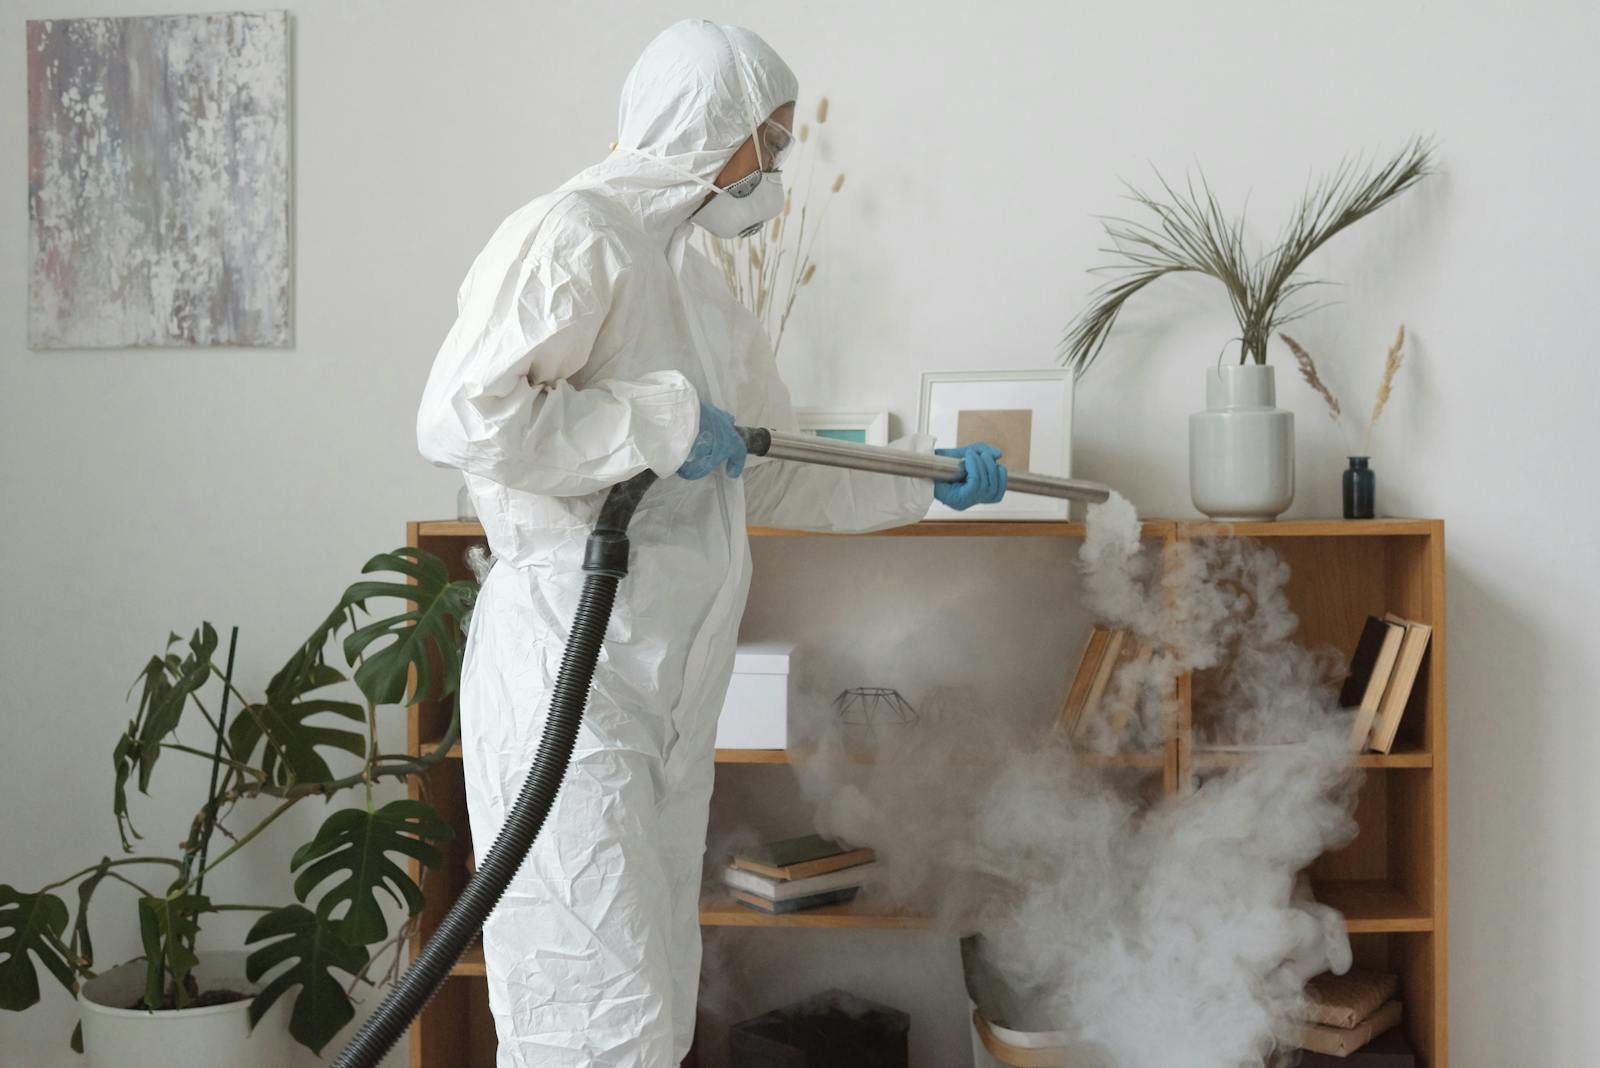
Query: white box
755	714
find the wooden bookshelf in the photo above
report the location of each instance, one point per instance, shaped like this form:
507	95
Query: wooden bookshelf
1390	883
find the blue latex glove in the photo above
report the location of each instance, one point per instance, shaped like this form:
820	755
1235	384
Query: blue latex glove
717	442
985	482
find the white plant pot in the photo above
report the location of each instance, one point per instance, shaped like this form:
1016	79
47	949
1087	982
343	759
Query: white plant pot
1241	448
216	1036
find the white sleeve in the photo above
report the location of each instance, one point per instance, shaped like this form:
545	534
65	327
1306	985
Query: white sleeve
796	496
498	403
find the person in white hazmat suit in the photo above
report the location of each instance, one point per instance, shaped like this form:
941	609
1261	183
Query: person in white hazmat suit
592	343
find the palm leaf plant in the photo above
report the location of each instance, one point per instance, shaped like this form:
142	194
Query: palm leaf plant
280	749
1187	231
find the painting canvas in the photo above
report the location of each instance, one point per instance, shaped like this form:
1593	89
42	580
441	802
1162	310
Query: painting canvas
1008	429
158	181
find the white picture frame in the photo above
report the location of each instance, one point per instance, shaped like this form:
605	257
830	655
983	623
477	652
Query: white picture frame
861	427
1032	408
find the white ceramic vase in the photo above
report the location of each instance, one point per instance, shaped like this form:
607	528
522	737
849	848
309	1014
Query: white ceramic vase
216	1036
1241	448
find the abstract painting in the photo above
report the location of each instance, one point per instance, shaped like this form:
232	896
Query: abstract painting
158	181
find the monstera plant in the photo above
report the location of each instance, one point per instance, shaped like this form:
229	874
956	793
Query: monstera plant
277	749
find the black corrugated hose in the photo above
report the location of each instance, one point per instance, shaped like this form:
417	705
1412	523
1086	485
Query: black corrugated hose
605	563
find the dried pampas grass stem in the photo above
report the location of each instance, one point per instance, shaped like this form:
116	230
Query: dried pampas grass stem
777	260
1391	366
1308	371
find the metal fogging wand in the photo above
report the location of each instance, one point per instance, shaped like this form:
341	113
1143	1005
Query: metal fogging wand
605	564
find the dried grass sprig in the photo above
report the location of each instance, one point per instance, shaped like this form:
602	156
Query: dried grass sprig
1308	371
1391	367
777	260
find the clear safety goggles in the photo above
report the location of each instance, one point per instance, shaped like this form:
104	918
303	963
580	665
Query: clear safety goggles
773	145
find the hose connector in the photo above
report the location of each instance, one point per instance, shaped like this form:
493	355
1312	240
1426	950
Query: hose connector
606	553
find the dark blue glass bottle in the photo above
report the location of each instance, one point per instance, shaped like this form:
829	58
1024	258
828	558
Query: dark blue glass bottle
1360	489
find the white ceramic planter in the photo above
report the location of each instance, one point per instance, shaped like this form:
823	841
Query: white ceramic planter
217	1036
1241	448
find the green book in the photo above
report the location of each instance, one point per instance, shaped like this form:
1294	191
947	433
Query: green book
794	851
801	858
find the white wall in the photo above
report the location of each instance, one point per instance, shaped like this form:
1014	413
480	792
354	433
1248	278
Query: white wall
144	491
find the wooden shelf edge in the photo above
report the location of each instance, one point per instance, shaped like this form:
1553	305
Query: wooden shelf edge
752	756
956	528
1201	760
471	962
1372	906
719	911
1149	761
1388	526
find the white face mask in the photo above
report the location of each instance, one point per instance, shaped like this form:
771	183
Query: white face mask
742	208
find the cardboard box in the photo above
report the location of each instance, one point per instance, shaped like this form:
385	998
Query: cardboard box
755	714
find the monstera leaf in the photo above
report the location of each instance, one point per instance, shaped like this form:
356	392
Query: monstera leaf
442	608
168	927
292	754
30	923
169	681
308	669
314	949
355	846
81	945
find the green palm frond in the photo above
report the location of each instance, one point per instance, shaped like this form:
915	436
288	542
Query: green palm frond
1188	231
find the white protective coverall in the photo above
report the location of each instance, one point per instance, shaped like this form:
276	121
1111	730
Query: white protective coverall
588	333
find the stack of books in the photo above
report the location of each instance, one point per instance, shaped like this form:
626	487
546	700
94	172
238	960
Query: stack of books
1345	1013
1098	710
798	873
1383	672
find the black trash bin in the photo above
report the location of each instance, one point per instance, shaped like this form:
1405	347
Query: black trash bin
833	1029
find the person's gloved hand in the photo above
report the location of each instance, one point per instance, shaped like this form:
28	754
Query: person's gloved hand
717	442
985	482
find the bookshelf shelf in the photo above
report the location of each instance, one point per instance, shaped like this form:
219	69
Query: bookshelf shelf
471	962
1038	528
1371	906
1390	883
1203	761
721	911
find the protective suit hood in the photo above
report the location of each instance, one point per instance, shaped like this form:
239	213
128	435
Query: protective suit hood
695	93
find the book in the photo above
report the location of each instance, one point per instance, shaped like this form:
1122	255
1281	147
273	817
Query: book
787	889
1121	710
1370	667
1089	717
810	901
801	858
1392	1049
1345	1000
1343	1041
1401	683
1083	679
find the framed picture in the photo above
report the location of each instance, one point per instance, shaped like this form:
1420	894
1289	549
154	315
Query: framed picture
1025	414
862	428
